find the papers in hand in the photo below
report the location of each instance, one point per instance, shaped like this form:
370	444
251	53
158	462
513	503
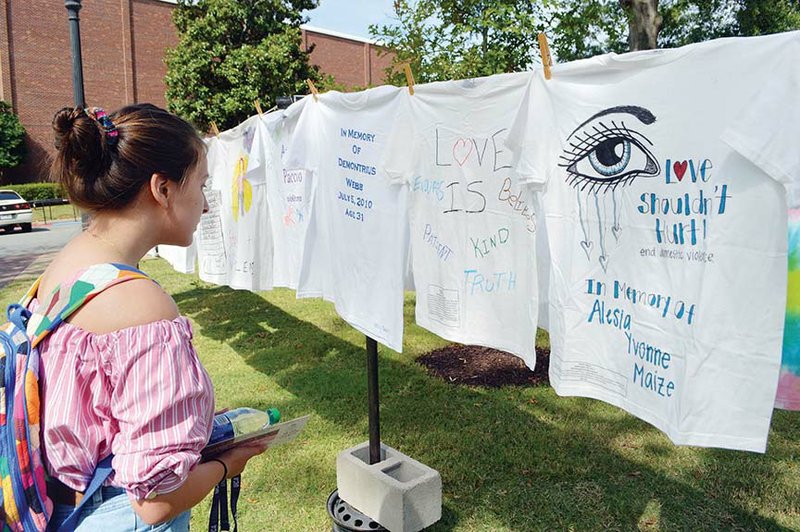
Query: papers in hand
277	434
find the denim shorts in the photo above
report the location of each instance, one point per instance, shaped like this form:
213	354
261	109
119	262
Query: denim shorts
110	510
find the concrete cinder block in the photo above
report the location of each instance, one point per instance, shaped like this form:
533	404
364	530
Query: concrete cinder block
398	492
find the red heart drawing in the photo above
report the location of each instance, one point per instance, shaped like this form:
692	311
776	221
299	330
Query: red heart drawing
679	168
462	148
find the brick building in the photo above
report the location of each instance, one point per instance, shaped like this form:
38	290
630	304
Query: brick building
123	46
352	61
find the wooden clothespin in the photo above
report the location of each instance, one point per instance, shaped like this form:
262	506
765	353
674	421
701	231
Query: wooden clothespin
314	90
409	79
214	128
257	105
547	60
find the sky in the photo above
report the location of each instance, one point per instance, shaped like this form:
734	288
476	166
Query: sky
350	16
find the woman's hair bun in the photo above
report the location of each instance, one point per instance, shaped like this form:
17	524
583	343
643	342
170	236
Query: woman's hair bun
98	174
64	123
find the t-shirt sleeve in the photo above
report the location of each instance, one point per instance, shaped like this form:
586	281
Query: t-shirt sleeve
525	140
256	148
163	403
401	153
266	146
220	164
767	132
302	147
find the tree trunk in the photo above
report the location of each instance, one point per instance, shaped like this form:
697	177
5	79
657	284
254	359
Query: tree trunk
644	23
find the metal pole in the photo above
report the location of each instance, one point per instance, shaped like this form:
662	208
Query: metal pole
73	6
374	407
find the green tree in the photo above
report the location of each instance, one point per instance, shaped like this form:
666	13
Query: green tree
763	17
12	139
580	29
454	39
586	28
451	39
688	21
231	52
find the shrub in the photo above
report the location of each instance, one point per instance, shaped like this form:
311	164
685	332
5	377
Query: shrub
12	138
37	191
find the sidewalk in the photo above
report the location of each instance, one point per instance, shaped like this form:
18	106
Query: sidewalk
31	272
56	223
26	255
37	267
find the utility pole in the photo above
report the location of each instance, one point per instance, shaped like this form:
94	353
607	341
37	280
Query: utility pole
73	6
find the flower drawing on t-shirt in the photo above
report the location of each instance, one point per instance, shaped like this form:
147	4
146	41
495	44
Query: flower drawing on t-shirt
604	154
242	189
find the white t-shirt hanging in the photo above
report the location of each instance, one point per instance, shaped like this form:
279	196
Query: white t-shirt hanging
212	259
767	131
315	278
290	194
241	179
360	244
181	258
668	274
472	224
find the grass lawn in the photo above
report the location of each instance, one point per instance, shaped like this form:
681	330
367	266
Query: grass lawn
513	459
56	212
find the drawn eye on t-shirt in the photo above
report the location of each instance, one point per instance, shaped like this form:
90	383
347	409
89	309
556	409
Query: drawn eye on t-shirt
604	154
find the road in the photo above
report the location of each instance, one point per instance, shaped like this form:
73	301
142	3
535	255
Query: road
32	251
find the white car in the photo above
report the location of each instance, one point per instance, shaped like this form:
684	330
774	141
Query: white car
14	211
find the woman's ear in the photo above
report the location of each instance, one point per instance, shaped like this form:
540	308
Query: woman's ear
162	190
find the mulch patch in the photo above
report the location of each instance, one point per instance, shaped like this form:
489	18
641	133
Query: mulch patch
474	365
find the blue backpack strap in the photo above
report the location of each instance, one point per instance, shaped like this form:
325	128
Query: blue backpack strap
101	473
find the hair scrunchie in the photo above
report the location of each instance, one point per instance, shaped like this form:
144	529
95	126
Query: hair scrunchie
109	129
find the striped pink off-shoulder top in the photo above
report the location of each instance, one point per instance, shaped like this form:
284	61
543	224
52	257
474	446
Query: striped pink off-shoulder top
140	393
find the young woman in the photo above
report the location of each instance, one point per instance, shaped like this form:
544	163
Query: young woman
121	375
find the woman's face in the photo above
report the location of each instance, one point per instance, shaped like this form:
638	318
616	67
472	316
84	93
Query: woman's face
190	203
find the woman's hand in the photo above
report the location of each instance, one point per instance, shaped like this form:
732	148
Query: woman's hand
201	481
235	459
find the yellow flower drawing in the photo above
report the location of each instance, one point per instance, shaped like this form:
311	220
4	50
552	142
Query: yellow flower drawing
242	189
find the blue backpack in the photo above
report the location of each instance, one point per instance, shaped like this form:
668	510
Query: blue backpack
25	505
